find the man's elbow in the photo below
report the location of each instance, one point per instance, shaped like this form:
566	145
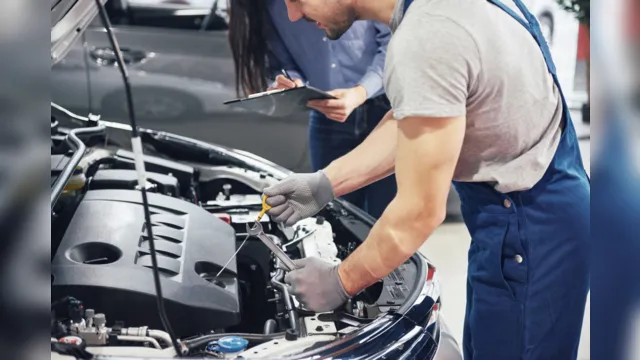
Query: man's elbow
429	217
426	212
420	219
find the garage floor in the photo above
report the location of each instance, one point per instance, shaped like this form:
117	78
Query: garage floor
447	249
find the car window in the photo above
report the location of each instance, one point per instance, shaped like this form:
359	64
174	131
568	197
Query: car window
174	14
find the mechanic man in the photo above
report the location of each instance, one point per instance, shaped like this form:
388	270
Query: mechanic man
476	100
350	68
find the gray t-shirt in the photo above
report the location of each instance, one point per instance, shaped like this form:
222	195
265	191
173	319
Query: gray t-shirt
452	58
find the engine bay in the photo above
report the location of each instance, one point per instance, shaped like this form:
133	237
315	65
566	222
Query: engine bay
224	291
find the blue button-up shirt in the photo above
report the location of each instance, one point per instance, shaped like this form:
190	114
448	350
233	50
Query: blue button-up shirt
301	48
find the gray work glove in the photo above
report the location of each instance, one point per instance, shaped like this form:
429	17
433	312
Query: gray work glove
298	196
316	284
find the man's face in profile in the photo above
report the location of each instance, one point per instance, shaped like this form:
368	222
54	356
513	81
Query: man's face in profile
335	17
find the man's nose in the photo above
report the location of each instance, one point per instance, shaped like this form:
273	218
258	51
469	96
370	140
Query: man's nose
293	12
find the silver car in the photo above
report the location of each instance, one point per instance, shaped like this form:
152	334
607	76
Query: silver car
180	76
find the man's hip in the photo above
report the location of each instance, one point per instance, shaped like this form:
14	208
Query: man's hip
528	274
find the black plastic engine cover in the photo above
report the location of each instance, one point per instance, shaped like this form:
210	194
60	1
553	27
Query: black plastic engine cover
104	261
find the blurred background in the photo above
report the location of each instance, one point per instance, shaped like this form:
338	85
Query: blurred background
181	68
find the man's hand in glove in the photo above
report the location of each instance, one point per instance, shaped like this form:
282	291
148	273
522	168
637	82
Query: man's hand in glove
298	196
316	284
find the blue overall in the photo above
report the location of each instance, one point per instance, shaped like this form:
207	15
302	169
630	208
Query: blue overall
528	274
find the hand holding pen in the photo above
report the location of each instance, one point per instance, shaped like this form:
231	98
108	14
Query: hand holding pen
286	74
285	81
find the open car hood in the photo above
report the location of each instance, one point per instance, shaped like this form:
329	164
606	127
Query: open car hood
69	18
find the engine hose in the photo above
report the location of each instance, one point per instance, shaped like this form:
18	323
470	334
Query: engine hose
270	327
80	148
148	339
160	335
94	165
205	339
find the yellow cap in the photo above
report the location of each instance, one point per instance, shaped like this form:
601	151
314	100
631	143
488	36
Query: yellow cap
265	207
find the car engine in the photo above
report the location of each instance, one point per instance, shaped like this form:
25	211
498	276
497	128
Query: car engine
104	259
219	285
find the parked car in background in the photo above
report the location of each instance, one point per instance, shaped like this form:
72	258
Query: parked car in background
180	74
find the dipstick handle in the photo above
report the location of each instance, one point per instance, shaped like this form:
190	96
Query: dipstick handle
265	207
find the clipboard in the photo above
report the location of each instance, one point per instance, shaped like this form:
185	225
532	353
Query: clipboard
281	102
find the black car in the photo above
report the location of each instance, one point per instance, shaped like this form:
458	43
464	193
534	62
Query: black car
223	293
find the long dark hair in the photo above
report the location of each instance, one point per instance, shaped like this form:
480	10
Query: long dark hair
248	27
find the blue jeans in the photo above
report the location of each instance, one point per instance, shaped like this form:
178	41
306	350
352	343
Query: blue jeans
329	140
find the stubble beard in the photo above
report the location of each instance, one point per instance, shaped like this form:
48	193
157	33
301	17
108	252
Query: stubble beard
334	34
341	27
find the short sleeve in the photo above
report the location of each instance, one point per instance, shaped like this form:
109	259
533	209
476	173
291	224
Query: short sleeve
431	62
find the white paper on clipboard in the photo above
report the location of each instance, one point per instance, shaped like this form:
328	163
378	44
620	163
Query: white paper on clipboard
265	93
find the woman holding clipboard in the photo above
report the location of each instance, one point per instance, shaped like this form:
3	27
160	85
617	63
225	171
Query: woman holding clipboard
271	52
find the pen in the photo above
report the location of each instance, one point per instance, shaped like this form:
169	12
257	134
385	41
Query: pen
286	74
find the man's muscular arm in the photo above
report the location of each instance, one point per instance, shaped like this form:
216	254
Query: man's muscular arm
372	160
426	156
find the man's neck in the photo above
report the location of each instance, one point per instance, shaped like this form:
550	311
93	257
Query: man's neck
378	10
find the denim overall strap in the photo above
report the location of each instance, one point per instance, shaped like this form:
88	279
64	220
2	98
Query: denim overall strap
531	24
528	22
407	3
